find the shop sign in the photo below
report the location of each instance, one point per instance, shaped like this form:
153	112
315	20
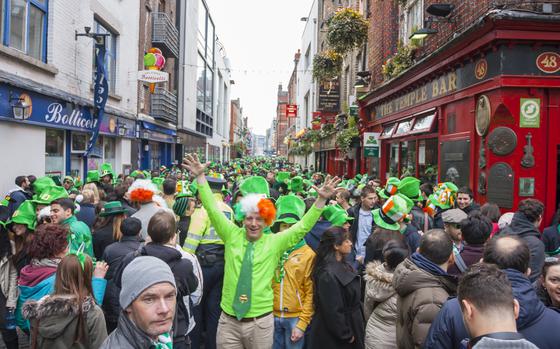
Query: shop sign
329	96
153	76
371	144
481	69
548	62
530	113
48	111
291	110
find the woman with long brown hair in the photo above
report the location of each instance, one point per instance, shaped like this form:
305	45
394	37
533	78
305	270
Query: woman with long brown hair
69	318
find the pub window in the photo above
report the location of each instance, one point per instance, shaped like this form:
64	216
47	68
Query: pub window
423	123
428	160
393	160
411	18
54	151
455	162
403	128
25	22
388	131
408	158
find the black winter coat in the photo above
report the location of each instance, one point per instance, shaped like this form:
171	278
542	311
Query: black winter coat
551	239
113	255
522	227
185	280
338	310
101	238
87	214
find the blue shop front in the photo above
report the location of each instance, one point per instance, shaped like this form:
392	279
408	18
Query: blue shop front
156	145
49	135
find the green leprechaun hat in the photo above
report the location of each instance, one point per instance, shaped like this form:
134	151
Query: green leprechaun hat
25	214
336	215
50	194
134	174
158	181
391	188
112	208
283	177
410	187
254	185
41	184
443	197
106	170
296	184
92	176
289	209
394	210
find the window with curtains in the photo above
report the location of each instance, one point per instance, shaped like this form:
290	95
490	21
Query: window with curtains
24	26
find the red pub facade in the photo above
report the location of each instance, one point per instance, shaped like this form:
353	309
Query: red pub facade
482	111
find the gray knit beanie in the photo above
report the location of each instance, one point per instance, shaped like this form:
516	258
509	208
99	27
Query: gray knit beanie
140	274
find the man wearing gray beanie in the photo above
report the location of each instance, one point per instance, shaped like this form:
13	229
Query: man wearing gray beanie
148	298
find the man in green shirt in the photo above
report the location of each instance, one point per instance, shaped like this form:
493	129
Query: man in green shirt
251	258
62	212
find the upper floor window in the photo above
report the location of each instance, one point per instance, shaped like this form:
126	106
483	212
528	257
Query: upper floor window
411	18
111	53
24	26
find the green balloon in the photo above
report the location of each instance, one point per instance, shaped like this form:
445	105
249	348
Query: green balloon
149	59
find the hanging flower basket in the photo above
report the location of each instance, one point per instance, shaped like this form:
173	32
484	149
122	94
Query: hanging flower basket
401	61
347	30
327	65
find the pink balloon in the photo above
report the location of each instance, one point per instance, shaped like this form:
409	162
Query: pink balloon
160	60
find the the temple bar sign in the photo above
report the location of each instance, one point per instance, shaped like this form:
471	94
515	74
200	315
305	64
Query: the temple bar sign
433	89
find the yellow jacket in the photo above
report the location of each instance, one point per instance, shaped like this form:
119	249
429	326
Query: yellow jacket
293	296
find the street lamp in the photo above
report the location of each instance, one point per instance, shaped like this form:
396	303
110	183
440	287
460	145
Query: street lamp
19	107
98	37
422	33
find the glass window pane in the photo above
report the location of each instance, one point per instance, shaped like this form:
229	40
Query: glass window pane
200	83
111	55
210	43
109	151
388	131
201	37
209	91
36	25
2	19
54	151
428	160
424	123
17	24
403	128
393	159
408	156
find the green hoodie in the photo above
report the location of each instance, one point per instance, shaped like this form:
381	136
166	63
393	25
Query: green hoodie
79	233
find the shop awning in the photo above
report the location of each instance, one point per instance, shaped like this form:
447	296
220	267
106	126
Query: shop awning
153	127
420	123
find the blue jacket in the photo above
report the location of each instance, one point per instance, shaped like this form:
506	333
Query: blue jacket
537	323
314	236
17	197
46	287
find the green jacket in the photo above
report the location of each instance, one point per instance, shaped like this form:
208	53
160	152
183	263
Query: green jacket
267	253
79	233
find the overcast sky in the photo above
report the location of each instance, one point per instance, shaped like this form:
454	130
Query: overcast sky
260	38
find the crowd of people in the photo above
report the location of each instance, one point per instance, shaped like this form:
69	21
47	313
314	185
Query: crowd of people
260	253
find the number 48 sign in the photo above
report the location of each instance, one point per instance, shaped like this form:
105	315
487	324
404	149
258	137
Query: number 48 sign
548	62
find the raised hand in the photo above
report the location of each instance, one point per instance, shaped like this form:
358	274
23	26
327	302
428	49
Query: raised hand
328	189
193	165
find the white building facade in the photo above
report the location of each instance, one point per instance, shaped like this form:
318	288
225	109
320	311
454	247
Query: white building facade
48	70
204	85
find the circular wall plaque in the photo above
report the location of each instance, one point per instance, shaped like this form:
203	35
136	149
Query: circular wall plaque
482	115
502	140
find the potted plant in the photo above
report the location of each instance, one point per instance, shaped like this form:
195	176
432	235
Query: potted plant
399	62
326	65
347	30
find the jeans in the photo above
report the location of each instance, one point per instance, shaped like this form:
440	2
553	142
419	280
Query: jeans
207	313
283	332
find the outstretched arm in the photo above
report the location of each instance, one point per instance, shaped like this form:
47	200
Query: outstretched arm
221	224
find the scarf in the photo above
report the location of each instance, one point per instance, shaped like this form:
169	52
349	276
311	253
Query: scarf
281	272
427	265
164	341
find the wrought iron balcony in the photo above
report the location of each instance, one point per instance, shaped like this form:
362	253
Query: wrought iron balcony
164	105
165	35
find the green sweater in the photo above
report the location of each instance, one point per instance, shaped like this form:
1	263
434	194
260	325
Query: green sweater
267	252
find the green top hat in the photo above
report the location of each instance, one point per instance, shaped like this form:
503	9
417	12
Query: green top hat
56	179
25	214
358	177
135	173
158	181
410	187
390	188
393	211
50	194
289	209
147	174
183	190
92	176
444	195
254	185
41	184
336	215
283	177
111	208
216	181
106	170
68	179
296	184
